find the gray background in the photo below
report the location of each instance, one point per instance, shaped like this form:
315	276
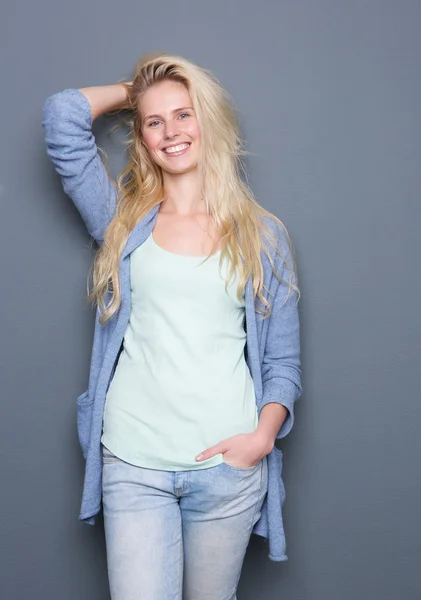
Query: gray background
329	95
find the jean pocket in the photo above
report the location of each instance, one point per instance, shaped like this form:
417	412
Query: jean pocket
244	469
85	406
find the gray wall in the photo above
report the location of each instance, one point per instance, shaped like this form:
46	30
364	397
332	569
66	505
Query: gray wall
330	96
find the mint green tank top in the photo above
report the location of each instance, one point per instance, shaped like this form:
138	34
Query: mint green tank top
181	383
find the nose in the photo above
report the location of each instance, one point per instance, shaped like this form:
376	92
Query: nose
171	131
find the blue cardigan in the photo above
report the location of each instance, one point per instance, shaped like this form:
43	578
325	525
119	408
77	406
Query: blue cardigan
273	344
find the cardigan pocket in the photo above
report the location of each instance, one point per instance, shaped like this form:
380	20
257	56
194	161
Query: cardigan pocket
84	419
277	453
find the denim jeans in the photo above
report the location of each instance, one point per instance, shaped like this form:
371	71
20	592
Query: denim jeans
178	535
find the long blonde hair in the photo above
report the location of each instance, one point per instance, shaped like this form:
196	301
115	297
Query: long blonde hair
243	225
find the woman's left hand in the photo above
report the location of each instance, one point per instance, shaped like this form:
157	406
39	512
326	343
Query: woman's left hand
242	450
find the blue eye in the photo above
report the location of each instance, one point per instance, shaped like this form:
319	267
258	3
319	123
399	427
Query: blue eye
151	124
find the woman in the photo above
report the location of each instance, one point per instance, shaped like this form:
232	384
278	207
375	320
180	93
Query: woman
195	364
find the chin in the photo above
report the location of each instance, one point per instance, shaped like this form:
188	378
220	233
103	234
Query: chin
181	169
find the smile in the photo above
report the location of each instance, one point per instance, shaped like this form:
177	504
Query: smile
177	150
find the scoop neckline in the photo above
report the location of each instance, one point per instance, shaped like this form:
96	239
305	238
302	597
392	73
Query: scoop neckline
188	256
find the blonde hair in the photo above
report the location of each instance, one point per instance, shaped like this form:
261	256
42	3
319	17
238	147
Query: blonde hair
243	225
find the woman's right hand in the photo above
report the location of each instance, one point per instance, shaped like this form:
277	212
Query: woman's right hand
126	104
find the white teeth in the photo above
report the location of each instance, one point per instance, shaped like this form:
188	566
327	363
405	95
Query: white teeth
176	148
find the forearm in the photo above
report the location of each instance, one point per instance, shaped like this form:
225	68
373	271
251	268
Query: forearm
105	98
271	419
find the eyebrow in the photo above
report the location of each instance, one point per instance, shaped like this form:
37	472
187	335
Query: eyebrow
173	112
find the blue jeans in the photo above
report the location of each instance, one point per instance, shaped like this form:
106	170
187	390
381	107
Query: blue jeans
178	535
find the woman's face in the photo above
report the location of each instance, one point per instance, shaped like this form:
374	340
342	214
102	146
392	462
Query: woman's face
169	127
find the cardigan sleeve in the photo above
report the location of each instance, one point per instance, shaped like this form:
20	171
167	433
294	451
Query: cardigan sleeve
281	365
67	123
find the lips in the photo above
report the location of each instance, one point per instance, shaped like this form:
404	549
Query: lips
176	147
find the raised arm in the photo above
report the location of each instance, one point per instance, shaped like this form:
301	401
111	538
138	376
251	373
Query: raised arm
68	117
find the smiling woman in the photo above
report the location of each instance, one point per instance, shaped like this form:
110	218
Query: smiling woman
179	422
